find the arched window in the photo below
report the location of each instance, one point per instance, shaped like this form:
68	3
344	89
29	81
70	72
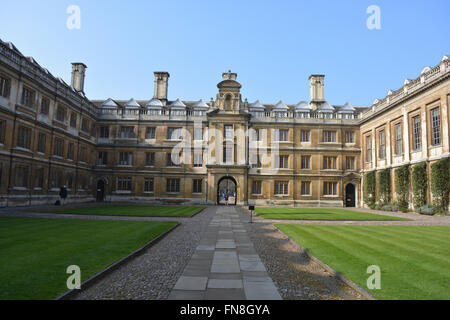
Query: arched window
228	102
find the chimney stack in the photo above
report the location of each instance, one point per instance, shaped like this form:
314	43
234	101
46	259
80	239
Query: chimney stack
78	72
161	85
316	86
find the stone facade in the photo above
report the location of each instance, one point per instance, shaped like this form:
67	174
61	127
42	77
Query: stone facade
173	151
410	125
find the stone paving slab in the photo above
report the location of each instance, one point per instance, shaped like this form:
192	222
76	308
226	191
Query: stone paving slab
191	283
261	289
225	265
225	284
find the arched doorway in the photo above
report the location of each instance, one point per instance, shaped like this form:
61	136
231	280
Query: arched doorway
350	195
227	188
100	190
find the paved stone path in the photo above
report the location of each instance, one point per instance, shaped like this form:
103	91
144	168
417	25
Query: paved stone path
225	265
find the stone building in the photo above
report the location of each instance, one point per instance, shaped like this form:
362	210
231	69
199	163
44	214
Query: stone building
167	150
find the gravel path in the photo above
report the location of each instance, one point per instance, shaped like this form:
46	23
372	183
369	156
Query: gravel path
152	275
296	276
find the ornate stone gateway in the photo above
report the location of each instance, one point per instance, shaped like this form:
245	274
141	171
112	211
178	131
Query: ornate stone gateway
227	191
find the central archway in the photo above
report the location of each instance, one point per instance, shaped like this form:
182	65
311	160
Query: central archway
227	188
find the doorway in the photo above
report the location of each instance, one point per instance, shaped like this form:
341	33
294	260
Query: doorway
350	195
227	191
100	190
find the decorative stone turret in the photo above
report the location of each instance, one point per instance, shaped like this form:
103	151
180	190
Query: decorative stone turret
229	96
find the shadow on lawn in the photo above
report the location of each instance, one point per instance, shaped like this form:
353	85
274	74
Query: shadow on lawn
291	268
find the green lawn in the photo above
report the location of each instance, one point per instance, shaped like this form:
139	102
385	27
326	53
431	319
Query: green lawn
319	214
414	260
132	210
35	253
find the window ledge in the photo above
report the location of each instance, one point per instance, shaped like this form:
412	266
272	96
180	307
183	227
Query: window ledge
30	108
60	122
23	149
19	188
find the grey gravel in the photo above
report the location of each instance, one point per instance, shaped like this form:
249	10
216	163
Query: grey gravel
296	276
152	275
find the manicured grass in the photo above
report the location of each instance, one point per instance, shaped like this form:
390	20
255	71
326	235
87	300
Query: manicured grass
35	253
320	214
414	260
131	210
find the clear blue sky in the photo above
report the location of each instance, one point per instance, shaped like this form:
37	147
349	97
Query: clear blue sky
273	45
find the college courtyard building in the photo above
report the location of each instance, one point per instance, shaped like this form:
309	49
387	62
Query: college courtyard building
308	154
